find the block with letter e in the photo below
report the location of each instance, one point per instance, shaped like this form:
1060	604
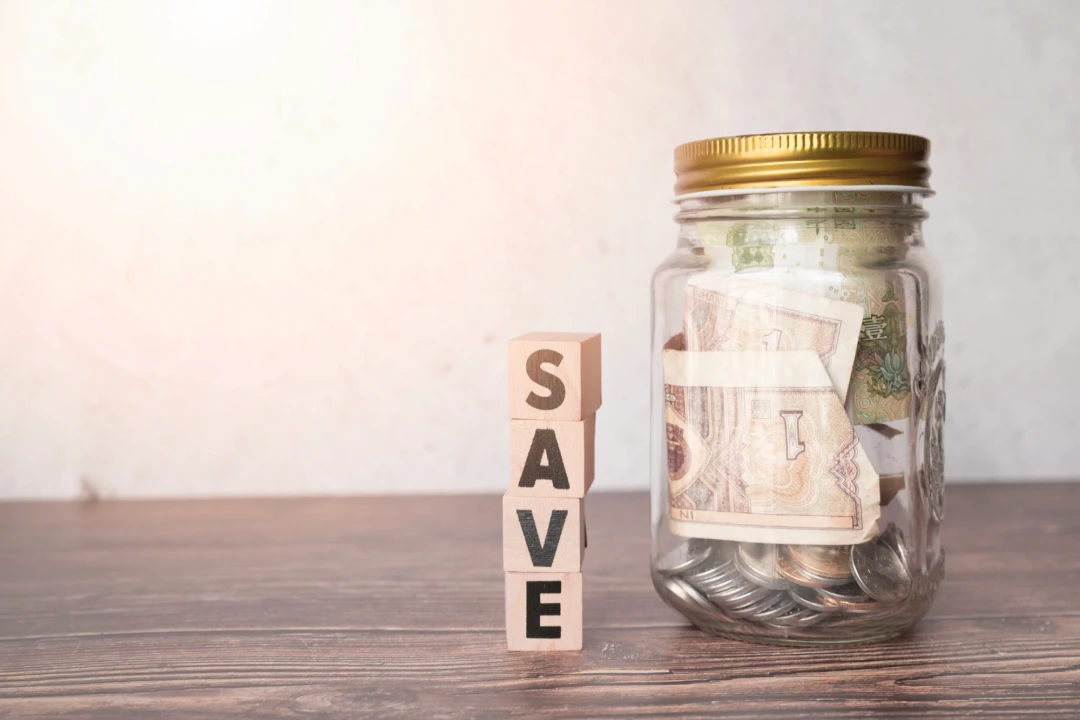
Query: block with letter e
554	376
543	611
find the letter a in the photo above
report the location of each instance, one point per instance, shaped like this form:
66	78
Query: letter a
544	443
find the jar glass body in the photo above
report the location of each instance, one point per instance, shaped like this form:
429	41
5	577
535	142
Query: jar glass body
797	412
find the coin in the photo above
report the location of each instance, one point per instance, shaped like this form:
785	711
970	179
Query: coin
747	597
848	597
811	618
786	587
707	574
718	559
698	546
725	584
895	538
688	595
849	592
800	617
822	561
861	605
782	607
880	567
692	560
787	568
809	598
757	562
729	588
761	604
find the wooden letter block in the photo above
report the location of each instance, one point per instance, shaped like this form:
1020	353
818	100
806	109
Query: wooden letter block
543	611
552	458
543	534
554	376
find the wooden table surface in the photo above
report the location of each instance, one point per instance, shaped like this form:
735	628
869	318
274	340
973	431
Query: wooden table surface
393	608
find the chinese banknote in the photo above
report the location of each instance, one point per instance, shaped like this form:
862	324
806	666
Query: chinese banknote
760	445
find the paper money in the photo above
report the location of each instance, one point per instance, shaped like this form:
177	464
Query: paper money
725	312
835	255
881	381
761	450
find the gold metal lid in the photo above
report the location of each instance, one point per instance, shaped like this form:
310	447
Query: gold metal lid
809	158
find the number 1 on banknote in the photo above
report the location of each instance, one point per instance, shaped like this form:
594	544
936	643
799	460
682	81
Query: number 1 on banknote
761	450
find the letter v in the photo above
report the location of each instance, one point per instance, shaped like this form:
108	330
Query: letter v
542	555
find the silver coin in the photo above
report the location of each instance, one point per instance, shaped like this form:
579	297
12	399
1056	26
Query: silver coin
673	593
789	567
735	589
812	618
748	597
688	595
724	595
714	565
756	608
801	617
691	561
701	545
717	583
895	538
848	597
807	580
726	587
791	617
843	593
718	590
880	569
725	571
810	599
824	564
705	576
783	607
864	606
757	562
717	586
719	562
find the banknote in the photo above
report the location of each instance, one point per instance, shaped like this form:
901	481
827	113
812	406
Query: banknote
728	312
836	255
761	450
880	380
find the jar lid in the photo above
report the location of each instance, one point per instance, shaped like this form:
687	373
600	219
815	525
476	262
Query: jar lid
807	158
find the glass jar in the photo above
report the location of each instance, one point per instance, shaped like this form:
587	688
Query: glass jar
798	390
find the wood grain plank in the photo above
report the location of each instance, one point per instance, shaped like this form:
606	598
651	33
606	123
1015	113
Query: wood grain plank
390	607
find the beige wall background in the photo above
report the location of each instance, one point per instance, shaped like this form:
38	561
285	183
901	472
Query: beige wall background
255	248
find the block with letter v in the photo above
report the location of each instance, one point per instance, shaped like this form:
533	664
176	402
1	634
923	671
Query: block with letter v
543	534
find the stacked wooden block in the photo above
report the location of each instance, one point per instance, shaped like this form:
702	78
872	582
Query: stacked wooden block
554	396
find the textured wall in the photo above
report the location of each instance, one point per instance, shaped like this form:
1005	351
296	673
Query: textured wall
277	248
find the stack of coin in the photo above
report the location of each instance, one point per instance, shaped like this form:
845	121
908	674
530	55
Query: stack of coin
788	586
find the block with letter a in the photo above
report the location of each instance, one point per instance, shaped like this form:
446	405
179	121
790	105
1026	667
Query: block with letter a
552	458
554	396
